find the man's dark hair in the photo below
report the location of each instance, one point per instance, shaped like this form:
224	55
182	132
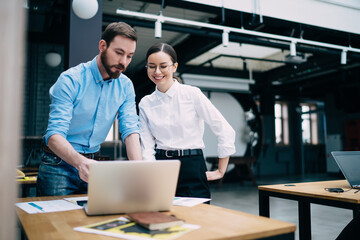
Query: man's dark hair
118	29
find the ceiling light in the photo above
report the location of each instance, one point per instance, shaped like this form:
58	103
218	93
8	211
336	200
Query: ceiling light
225	38
158	26
207	82
292	49
53	59
343	57
85	9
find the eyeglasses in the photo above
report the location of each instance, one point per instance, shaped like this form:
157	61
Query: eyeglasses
162	68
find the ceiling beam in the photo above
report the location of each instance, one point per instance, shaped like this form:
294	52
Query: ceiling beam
233	37
228	29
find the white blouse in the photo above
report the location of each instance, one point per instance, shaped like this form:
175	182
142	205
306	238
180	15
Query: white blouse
175	120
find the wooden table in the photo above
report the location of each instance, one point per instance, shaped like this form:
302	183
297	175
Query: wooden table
215	222
29	181
306	193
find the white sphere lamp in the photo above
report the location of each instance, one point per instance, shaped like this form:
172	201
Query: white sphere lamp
53	59
85	9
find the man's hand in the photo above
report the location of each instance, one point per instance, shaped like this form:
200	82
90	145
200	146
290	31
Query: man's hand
62	148
83	168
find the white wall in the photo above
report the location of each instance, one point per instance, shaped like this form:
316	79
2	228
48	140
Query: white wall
341	15
234	114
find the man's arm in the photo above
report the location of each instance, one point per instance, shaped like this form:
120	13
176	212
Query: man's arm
133	148
63	149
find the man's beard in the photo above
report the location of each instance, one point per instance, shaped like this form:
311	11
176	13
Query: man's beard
107	66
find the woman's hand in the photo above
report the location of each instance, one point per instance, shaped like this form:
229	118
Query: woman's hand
219	173
214	175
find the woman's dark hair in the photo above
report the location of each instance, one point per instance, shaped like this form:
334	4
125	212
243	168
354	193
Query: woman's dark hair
118	29
162	47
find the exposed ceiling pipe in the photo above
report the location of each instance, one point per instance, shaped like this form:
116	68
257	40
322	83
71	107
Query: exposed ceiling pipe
234	38
236	30
241	57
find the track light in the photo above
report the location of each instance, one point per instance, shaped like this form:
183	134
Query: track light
158	26
292	49
267	36
225	38
343	57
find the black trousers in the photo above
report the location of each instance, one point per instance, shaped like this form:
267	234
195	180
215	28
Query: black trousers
192	180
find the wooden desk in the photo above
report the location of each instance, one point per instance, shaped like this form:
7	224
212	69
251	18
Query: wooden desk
215	222
306	193
29	181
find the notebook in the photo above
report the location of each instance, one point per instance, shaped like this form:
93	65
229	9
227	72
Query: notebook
349	164
116	187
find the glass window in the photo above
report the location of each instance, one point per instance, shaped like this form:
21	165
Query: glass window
309	123
281	124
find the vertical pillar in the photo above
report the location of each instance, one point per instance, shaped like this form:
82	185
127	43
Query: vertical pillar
12	39
84	37
267	102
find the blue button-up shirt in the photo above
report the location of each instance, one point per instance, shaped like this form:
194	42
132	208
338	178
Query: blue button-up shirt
84	106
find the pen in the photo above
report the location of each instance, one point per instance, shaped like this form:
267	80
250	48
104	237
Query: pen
36	206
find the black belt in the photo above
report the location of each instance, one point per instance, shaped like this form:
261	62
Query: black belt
179	153
87	155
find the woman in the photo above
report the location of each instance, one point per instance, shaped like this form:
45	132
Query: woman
172	125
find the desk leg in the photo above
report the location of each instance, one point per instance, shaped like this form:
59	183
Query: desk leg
264	204
356	210
304	221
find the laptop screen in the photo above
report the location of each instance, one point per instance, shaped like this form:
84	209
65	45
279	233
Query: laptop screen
349	164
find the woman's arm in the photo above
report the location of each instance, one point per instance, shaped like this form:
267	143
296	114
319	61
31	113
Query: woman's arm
220	172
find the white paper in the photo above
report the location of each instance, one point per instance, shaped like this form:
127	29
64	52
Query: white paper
75	200
188	201
47	206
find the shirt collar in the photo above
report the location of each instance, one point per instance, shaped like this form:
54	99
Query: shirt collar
96	72
170	92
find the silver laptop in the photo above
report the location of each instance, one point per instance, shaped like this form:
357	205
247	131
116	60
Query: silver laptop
131	186
349	164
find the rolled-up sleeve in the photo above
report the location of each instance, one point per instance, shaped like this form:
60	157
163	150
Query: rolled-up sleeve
218	124
62	95
128	118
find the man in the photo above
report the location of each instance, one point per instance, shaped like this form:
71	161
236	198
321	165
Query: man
84	103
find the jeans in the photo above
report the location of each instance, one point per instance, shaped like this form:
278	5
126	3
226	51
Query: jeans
56	177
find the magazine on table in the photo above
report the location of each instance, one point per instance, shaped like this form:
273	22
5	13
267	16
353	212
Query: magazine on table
124	228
